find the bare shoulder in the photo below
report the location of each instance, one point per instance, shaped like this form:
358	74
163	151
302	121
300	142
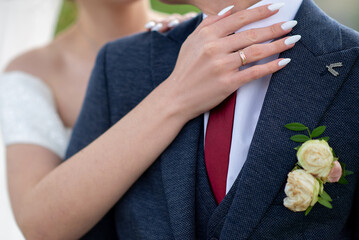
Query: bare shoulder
38	62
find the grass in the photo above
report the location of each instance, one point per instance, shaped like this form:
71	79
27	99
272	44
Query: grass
69	12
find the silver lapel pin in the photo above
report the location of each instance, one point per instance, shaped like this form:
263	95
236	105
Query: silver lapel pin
332	66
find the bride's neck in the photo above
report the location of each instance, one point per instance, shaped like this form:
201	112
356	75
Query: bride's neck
102	22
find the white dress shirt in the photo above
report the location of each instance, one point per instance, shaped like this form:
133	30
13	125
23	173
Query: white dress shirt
250	97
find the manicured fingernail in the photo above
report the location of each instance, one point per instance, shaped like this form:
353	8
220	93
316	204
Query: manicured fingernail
289	25
225	10
174	23
157	27
284	62
150	25
292	40
275	7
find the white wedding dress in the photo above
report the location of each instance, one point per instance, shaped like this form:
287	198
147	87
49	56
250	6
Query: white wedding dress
24	25
28	115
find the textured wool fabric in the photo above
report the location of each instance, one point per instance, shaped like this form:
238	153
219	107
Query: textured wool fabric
172	201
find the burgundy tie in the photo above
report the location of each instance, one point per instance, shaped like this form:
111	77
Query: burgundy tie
218	145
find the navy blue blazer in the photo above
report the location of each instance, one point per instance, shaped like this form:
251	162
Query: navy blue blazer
163	203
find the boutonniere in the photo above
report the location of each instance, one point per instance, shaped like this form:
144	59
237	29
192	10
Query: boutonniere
317	165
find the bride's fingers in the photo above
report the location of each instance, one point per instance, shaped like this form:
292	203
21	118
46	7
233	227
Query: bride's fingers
240	19
242	77
260	51
244	39
210	20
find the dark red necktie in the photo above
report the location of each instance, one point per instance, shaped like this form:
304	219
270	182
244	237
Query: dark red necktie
218	145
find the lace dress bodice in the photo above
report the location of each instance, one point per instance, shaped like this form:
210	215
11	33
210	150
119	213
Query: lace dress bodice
28	113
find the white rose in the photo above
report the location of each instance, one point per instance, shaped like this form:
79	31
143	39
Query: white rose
316	157
302	191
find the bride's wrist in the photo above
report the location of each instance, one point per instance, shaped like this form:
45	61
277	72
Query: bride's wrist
171	104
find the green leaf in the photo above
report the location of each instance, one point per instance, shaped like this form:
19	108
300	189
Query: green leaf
343	180
347	172
325	203
296	127
308	210
326	196
324	138
296	168
297	147
299	138
343	168
318	131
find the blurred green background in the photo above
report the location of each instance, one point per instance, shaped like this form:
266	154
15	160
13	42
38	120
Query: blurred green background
68	12
345	11
67	15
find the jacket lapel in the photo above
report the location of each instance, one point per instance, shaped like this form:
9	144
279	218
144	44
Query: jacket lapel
299	93
179	160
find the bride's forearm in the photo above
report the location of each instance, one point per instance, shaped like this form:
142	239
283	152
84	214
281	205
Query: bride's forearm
71	199
74	196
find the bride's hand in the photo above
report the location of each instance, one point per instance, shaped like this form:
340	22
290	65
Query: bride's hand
207	69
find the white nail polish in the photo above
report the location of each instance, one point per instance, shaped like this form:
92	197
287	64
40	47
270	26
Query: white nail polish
284	62
275	7
292	40
150	25
289	25
174	23
157	27
225	10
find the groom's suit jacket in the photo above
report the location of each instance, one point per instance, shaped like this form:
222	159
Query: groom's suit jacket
173	200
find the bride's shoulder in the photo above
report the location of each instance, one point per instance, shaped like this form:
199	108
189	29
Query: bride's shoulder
22	78
28	74
38	63
28	109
